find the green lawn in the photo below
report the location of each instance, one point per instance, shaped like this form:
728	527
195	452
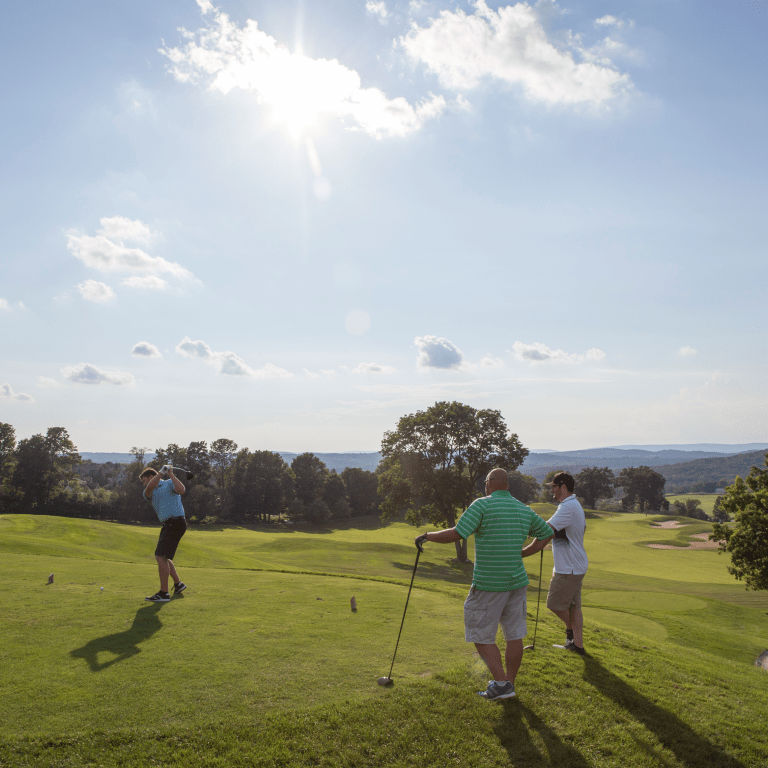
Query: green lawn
707	500
262	661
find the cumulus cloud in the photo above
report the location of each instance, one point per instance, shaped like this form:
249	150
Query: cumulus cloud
687	351
150	282
85	373
511	45
145	349
377	9
92	290
540	353
491	362
297	88
439	353
373	368
7	392
110	250
4	306
228	363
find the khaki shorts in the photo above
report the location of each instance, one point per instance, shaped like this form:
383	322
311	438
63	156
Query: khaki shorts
564	591
484	611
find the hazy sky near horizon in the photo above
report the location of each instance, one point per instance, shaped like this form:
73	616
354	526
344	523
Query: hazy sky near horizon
291	223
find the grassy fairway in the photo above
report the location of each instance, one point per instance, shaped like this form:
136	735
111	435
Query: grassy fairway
262	662
707	500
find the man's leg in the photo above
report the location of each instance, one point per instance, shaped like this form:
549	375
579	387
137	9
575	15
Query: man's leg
513	657
577	624
172	572
491	655
164	570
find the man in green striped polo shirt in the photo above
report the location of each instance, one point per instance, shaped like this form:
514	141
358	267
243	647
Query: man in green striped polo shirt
501	524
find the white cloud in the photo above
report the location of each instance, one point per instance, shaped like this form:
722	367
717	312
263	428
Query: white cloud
145	349
608	21
511	45
150	282
92	290
687	351
439	353
43	381
7	392
298	89
491	362
125	230
85	373
108	251
540	353
377	9
373	368
4	306
228	363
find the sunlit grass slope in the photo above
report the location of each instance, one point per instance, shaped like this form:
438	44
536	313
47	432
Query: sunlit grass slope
262	661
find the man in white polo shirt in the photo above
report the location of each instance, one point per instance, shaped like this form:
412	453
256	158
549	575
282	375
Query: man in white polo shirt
564	597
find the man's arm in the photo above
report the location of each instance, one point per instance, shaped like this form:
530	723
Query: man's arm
149	488
535	546
178	486
439	537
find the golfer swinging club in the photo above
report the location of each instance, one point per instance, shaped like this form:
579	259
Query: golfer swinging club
501	524
165	496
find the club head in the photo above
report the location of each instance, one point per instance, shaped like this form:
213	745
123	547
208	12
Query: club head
384	681
529	648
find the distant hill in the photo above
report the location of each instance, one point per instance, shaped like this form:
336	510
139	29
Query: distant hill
539	464
727	448
115	458
721	471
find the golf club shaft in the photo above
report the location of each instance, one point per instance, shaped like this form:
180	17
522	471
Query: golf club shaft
538	599
413	575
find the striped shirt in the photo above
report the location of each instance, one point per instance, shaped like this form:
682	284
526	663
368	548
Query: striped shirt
501	525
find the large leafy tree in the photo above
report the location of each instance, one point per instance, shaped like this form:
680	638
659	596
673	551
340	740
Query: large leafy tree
642	487
7	448
222	454
594	483
433	460
362	490
261	485
747	539
311	475
44	466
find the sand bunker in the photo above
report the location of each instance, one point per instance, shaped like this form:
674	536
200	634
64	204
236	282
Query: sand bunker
669	524
702	542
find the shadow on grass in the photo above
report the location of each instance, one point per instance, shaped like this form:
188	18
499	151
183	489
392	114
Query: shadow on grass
452	571
122	645
689	747
513	732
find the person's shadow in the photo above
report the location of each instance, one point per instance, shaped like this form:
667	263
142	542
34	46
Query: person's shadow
514	735
122	645
674	734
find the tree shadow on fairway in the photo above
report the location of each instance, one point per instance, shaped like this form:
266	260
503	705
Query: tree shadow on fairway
689	747
452	571
514	730
122	645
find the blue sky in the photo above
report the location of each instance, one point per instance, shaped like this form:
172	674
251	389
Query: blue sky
291	223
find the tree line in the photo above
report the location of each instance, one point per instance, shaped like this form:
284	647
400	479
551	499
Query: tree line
45	474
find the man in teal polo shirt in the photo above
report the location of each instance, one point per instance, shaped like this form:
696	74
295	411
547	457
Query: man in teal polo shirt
501	524
165	497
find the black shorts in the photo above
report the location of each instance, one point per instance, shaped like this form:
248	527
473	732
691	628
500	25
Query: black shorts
170	536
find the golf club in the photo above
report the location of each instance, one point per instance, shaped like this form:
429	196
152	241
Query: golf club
164	471
532	647
388	680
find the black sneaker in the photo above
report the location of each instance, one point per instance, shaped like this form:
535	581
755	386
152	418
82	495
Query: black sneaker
571	646
179	588
159	597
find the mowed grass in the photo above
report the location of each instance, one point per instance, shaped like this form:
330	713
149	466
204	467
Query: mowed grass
262	661
707	500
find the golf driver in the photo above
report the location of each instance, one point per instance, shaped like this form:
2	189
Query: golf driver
532	647
388	680
164	471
